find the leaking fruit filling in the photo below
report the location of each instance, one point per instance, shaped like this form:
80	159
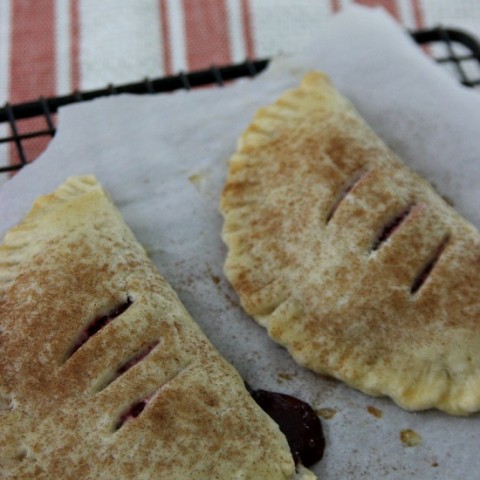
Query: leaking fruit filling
298	422
98	323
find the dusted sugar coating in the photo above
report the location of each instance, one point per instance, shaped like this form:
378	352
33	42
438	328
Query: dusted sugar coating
103	373
348	258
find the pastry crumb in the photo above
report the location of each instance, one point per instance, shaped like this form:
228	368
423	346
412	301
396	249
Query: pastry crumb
374	411
410	438
326	413
435	464
201	182
196	178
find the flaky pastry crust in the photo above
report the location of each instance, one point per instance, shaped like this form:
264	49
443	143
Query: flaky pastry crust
103	373
348	258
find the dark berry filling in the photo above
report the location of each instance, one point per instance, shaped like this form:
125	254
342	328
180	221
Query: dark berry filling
390	228
132	412
142	354
297	421
98	323
136	359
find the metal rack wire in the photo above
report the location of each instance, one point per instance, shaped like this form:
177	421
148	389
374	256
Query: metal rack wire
45	108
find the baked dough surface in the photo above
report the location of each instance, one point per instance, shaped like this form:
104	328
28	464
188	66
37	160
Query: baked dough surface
349	259
143	395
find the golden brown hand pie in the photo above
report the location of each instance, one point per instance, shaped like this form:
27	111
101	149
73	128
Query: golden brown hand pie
349	259
103	374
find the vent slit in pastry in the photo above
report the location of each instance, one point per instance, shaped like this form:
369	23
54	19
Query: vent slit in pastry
97	324
422	276
135	409
136	359
359	175
391	227
132	412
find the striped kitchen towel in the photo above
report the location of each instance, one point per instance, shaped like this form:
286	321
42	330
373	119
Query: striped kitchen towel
52	47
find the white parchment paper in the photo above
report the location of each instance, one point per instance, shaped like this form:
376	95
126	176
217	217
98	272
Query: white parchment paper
164	160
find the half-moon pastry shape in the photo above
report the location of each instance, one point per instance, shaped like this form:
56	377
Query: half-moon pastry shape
103	373
348	258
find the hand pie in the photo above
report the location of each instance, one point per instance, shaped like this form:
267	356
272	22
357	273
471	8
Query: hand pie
103	374
349	259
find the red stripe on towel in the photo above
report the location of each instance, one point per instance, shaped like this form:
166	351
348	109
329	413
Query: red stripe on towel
335	5
167	57
207	38
32	67
418	13
247	28
389	5
75	44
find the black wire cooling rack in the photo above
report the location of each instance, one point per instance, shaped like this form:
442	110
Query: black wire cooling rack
459	51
